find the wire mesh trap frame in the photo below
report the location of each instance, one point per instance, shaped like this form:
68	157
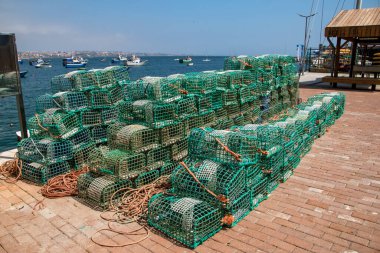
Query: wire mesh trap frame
186	107
188	220
134	90
109	115
81	155
208	118
116	92
60	123
223	146
168	168
157	157
36	130
179	150
96	190
45	102
146	178
221	179
240	208
230	97
40	173
135	138
125	108
100	98
166	89
99	134
71	101
199	82
158	115
80	138
131	165
192	122
171	133
91	117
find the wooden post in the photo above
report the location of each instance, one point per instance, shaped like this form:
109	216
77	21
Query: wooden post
337	56
353	60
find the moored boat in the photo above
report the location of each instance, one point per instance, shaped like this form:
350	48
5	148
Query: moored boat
135	61
185	60
23	73
74	62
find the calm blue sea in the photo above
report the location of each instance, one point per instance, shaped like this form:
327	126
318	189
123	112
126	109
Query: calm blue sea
37	82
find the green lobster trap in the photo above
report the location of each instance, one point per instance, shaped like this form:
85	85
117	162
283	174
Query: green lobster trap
71	100
171	133
117	73
259	191
192	122
100	98
225	182
45	102
96	191
131	165
146	177
99	134
157	157
208	118
134	90
230	97
135	138
36	130
91	117
216	99
60	123
233	110
81	155
188	220
109	115
116	92
168	168
199	82
222	146
186	107
240	208
179	150
40	173
125	108
106	161
80	138
153	113
166	89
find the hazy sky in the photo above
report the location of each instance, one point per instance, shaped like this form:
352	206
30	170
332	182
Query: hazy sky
211	27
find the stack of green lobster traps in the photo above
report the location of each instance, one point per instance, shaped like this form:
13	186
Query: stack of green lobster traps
227	138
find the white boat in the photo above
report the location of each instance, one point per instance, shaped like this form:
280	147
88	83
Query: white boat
190	64
42	64
207	59
119	59
135	61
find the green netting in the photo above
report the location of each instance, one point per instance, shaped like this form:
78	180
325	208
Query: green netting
233	110
91	117
208	118
171	134
136	138
231	63
71	100
259	191
192	122
80	138
204	103
116	92
100	98
131	165
109	115
166	89
216	99
230	97
125	108
186	107
220	179
199	82
146	178
134	90
168	168
106	161
240	208
247	94
179	150
81	155
36	130
222	146
157	157
96	190
60	123
188	220
45	102
40	173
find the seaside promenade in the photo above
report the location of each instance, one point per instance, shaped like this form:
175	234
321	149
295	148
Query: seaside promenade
330	204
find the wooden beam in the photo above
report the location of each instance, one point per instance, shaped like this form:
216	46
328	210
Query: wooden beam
351	80
353	60
336	63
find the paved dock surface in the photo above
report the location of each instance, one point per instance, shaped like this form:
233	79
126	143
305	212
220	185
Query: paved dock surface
330	204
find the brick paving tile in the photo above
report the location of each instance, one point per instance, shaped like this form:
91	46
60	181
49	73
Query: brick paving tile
330	204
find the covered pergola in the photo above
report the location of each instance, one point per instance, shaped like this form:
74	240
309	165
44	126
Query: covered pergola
361	27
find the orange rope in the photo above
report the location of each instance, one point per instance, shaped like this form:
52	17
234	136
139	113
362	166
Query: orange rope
182	91
220	197
246	64
11	170
45	129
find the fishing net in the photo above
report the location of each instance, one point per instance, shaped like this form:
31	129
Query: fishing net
45	102
186	107
100	98
166	89
171	134
179	150
157	157
71	100
91	117
99	134
40	173
199	82
60	123
81	155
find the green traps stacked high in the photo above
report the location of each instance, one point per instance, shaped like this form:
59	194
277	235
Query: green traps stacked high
234	170
188	220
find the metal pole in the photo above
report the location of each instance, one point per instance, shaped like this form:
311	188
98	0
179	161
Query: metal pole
358	4
304	41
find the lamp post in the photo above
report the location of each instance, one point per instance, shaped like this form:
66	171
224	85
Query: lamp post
305	38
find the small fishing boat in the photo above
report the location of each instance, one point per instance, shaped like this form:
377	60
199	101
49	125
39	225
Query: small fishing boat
135	61
119	59
42	64
103	60
74	62
185	60
207	59
23	73
190	64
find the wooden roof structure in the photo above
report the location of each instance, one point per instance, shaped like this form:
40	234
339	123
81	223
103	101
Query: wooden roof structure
361	23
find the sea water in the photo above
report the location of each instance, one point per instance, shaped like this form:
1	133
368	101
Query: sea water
37	83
